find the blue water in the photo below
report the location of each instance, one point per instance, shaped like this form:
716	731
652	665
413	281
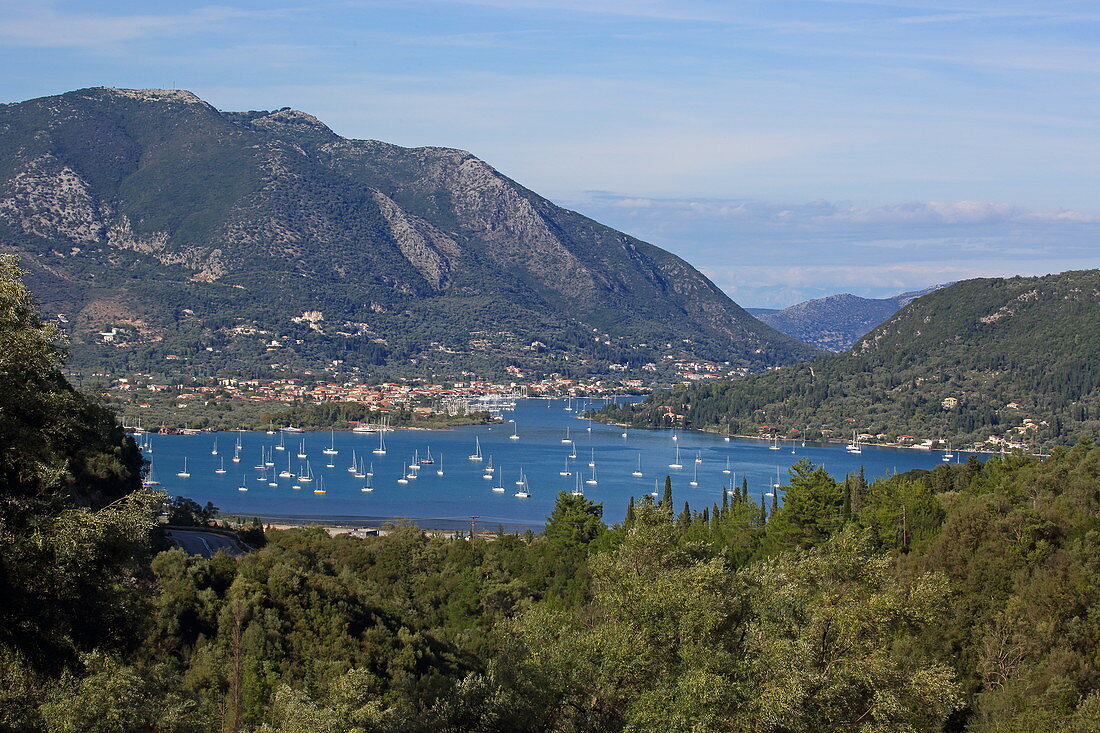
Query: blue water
462	492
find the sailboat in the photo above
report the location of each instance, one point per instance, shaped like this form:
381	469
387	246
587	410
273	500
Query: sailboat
727	436
308	475
214	450
269	458
150	480
402	479
351	466
592	460
242	487
236	455
280	445
273	481
775	445
263	458
331	450
522	481
415	465
695	477
676	463
439	471
263	474
499	488
623	434
477	450
699	456
568	405
675	436
566	439
727	468
523	493
565	471
302	449
184	473
654	492
429	460
413	473
577	490
776	485
370	471
948	455
320	487
286	473
489	469
515	432
854	446
573	451
381	449
359	472
637	472
592	481
221	468
368	486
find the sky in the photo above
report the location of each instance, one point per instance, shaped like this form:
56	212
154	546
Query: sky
789	150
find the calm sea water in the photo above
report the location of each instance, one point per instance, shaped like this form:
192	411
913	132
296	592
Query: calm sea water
462	492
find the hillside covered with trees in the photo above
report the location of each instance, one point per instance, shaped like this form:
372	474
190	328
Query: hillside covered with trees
1016	358
965	598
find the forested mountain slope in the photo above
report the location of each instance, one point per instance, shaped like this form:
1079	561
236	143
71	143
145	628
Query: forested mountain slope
962	599
201	239
1017	358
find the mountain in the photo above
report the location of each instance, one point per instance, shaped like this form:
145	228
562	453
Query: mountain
1016	358
167	235
838	321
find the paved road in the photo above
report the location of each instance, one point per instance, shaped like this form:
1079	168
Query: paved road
198	542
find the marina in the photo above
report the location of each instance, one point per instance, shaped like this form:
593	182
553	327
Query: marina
539	443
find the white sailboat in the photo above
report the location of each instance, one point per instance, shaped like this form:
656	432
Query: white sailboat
577	490
676	462
331	450
286	472
654	492
477	450
214	450
320	486
220	468
370	471
592	459
499	488
236	455
280	445
351	466
727	468
699	456
268	457
184	473
307	476
695	477
368	486
439	471
775	445
402	479
565	471
854	446
415	465
242	487
381	449
637	472
515	432
149	479
429	460
726	438
566	439
302	449
592	480
359	472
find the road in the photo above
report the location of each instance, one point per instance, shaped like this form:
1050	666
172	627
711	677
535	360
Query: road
207	544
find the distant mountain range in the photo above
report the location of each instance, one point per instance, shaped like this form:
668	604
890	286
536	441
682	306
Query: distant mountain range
167	235
1016	358
836	322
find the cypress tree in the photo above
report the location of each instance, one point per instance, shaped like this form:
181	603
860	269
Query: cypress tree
629	521
666	500
684	520
763	509
775	501
725	503
706	516
744	488
857	491
848	496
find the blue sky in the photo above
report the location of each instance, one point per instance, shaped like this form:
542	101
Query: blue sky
787	149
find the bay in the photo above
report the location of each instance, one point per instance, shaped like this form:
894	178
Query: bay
462	492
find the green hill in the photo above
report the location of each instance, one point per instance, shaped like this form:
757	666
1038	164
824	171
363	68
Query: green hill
204	240
1016	358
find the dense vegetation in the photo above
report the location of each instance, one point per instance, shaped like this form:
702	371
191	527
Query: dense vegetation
1005	351
199	235
965	598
